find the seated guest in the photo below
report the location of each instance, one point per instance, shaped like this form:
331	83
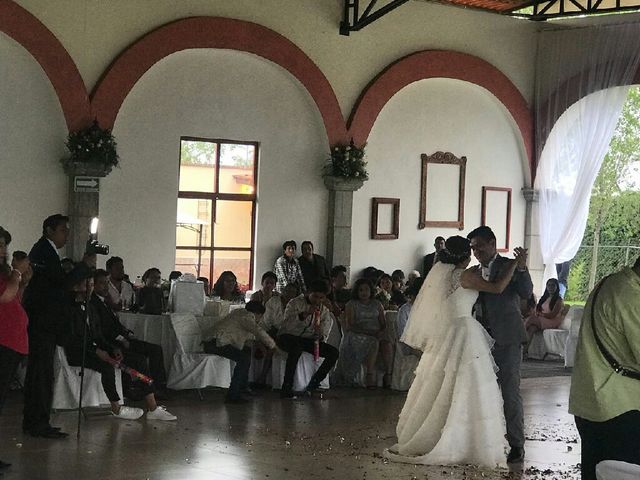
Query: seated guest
114	333
398	276
268	283
397	289
384	292
231	335
548	313
14	341
150	296
413	274
340	294
121	295
98	350
226	288
174	275
67	265
306	321
287	268
314	267
365	336
271	322
205	285
403	315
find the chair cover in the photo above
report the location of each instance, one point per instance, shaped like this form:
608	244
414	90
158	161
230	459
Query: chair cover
404	368
305	370
615	470
548	342
66	385
191	367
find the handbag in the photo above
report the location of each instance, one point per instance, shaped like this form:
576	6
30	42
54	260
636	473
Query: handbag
617	367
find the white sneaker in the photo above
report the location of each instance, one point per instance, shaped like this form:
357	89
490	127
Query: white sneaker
128	413
160	413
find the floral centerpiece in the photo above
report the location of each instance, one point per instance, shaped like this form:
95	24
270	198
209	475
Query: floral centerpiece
91	148
347	162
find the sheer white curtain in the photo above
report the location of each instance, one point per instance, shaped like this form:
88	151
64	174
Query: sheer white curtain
583	78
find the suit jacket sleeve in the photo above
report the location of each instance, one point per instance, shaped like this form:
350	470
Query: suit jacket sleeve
427	264
523	283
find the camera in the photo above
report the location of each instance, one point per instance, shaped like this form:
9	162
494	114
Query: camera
95	248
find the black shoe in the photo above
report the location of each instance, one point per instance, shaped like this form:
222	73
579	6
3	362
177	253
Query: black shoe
516	455
4	465
48	433
288	394
235	401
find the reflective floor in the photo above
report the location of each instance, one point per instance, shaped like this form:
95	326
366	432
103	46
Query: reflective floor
338	437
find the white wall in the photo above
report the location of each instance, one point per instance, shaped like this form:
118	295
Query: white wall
32	134
95	32
214	94
425	117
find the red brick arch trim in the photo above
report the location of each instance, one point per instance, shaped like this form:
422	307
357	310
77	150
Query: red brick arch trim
214	32
441	64
28	31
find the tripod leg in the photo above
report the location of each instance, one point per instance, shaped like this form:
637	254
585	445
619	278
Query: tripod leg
84	355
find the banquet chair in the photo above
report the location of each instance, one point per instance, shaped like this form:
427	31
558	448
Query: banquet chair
615	470
191	368
552	341
66	385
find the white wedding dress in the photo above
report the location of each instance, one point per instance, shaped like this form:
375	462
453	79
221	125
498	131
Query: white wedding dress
453	413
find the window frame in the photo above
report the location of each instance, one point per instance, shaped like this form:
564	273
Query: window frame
216	196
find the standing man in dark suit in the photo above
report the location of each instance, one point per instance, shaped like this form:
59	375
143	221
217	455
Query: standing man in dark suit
500	315
44	304
430	260
314	267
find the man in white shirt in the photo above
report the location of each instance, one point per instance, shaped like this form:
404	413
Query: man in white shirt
231	335
307	323
121	295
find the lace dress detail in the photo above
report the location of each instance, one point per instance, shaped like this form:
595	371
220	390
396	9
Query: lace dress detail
456	275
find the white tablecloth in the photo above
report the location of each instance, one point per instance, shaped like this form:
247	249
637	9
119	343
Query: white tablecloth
158	329
153	329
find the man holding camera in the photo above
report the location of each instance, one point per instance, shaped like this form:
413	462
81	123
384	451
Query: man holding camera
44	302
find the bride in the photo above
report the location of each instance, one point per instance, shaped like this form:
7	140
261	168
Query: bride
453	413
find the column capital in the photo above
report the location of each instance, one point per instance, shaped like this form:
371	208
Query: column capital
530	194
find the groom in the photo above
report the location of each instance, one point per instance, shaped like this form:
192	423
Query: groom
500	315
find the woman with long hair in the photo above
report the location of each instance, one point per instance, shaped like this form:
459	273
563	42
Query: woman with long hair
226	287
548	313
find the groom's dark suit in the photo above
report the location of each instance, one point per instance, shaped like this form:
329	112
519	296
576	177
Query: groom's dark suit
500	315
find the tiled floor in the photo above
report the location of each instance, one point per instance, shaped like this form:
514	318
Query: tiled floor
338	437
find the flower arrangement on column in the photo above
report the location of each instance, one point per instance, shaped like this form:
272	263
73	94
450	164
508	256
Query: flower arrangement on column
92	151
347	162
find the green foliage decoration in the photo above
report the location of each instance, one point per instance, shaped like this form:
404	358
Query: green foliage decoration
92	145
347	161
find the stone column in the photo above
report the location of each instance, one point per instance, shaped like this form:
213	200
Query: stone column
532	238
84	203
340	216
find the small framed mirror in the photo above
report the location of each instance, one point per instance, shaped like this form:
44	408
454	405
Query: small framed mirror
385	218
